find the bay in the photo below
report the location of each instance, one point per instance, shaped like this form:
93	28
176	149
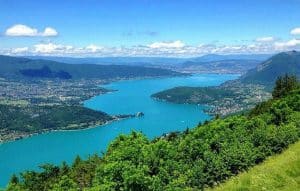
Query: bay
132	96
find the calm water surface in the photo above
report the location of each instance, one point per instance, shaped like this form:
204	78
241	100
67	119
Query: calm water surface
132	96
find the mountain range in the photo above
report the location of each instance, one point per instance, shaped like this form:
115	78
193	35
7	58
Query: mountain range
280	64
17	67
151	60
242	93
210	63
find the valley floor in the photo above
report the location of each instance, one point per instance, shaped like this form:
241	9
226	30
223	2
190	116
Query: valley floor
279	172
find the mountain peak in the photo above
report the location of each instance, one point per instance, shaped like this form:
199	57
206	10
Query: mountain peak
280	64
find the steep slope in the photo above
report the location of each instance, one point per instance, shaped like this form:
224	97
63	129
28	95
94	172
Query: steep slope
280	172
267	72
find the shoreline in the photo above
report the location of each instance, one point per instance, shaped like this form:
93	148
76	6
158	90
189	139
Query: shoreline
205	110
25	136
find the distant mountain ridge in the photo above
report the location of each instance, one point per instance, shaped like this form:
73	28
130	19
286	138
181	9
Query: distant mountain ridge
17	67
278	65
238	66
152	60
211	63
245	92
218	57
112	60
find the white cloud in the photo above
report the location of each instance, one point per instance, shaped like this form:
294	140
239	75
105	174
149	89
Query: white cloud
174	44
23	30
295	31
49	32
176	50
159	49
51	48
60	49
294	43
265	39
19	50
93	48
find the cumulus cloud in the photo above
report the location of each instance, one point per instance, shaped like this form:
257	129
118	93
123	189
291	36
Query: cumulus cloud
287	45
19	50
21	30
51	48
265	39
169	49
60	49
173	44
295	31
24	30
49	32
158	49
94	48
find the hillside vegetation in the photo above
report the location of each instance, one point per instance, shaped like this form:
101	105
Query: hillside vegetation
278	65
241	94
24	120
278	173
191	160
16	67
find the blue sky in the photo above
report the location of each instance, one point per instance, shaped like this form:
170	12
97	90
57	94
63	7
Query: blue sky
148	27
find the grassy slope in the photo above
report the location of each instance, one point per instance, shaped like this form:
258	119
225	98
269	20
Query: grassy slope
280	172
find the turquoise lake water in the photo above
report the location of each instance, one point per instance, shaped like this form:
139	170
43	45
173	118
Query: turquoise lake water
132	96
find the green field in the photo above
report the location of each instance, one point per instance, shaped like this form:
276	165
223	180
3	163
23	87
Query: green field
279	172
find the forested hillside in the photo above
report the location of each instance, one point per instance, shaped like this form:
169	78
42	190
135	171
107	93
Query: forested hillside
22	121
237	95
278	65
191	160
17	67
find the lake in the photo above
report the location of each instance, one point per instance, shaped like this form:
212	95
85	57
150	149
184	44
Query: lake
132	96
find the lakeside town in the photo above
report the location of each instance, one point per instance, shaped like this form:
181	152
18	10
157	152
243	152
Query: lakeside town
34	102
49	92
244	97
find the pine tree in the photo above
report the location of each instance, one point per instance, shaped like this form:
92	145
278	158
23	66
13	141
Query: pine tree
14	179
284	84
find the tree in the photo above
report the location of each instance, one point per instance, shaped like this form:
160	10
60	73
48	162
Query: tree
77	161
64	169
65	183
14	179
285	84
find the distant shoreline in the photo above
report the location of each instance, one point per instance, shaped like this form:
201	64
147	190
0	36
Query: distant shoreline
15	136
25	136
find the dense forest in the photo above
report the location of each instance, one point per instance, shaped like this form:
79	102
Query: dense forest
21	121
200	95
191	160
20	68
45	72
